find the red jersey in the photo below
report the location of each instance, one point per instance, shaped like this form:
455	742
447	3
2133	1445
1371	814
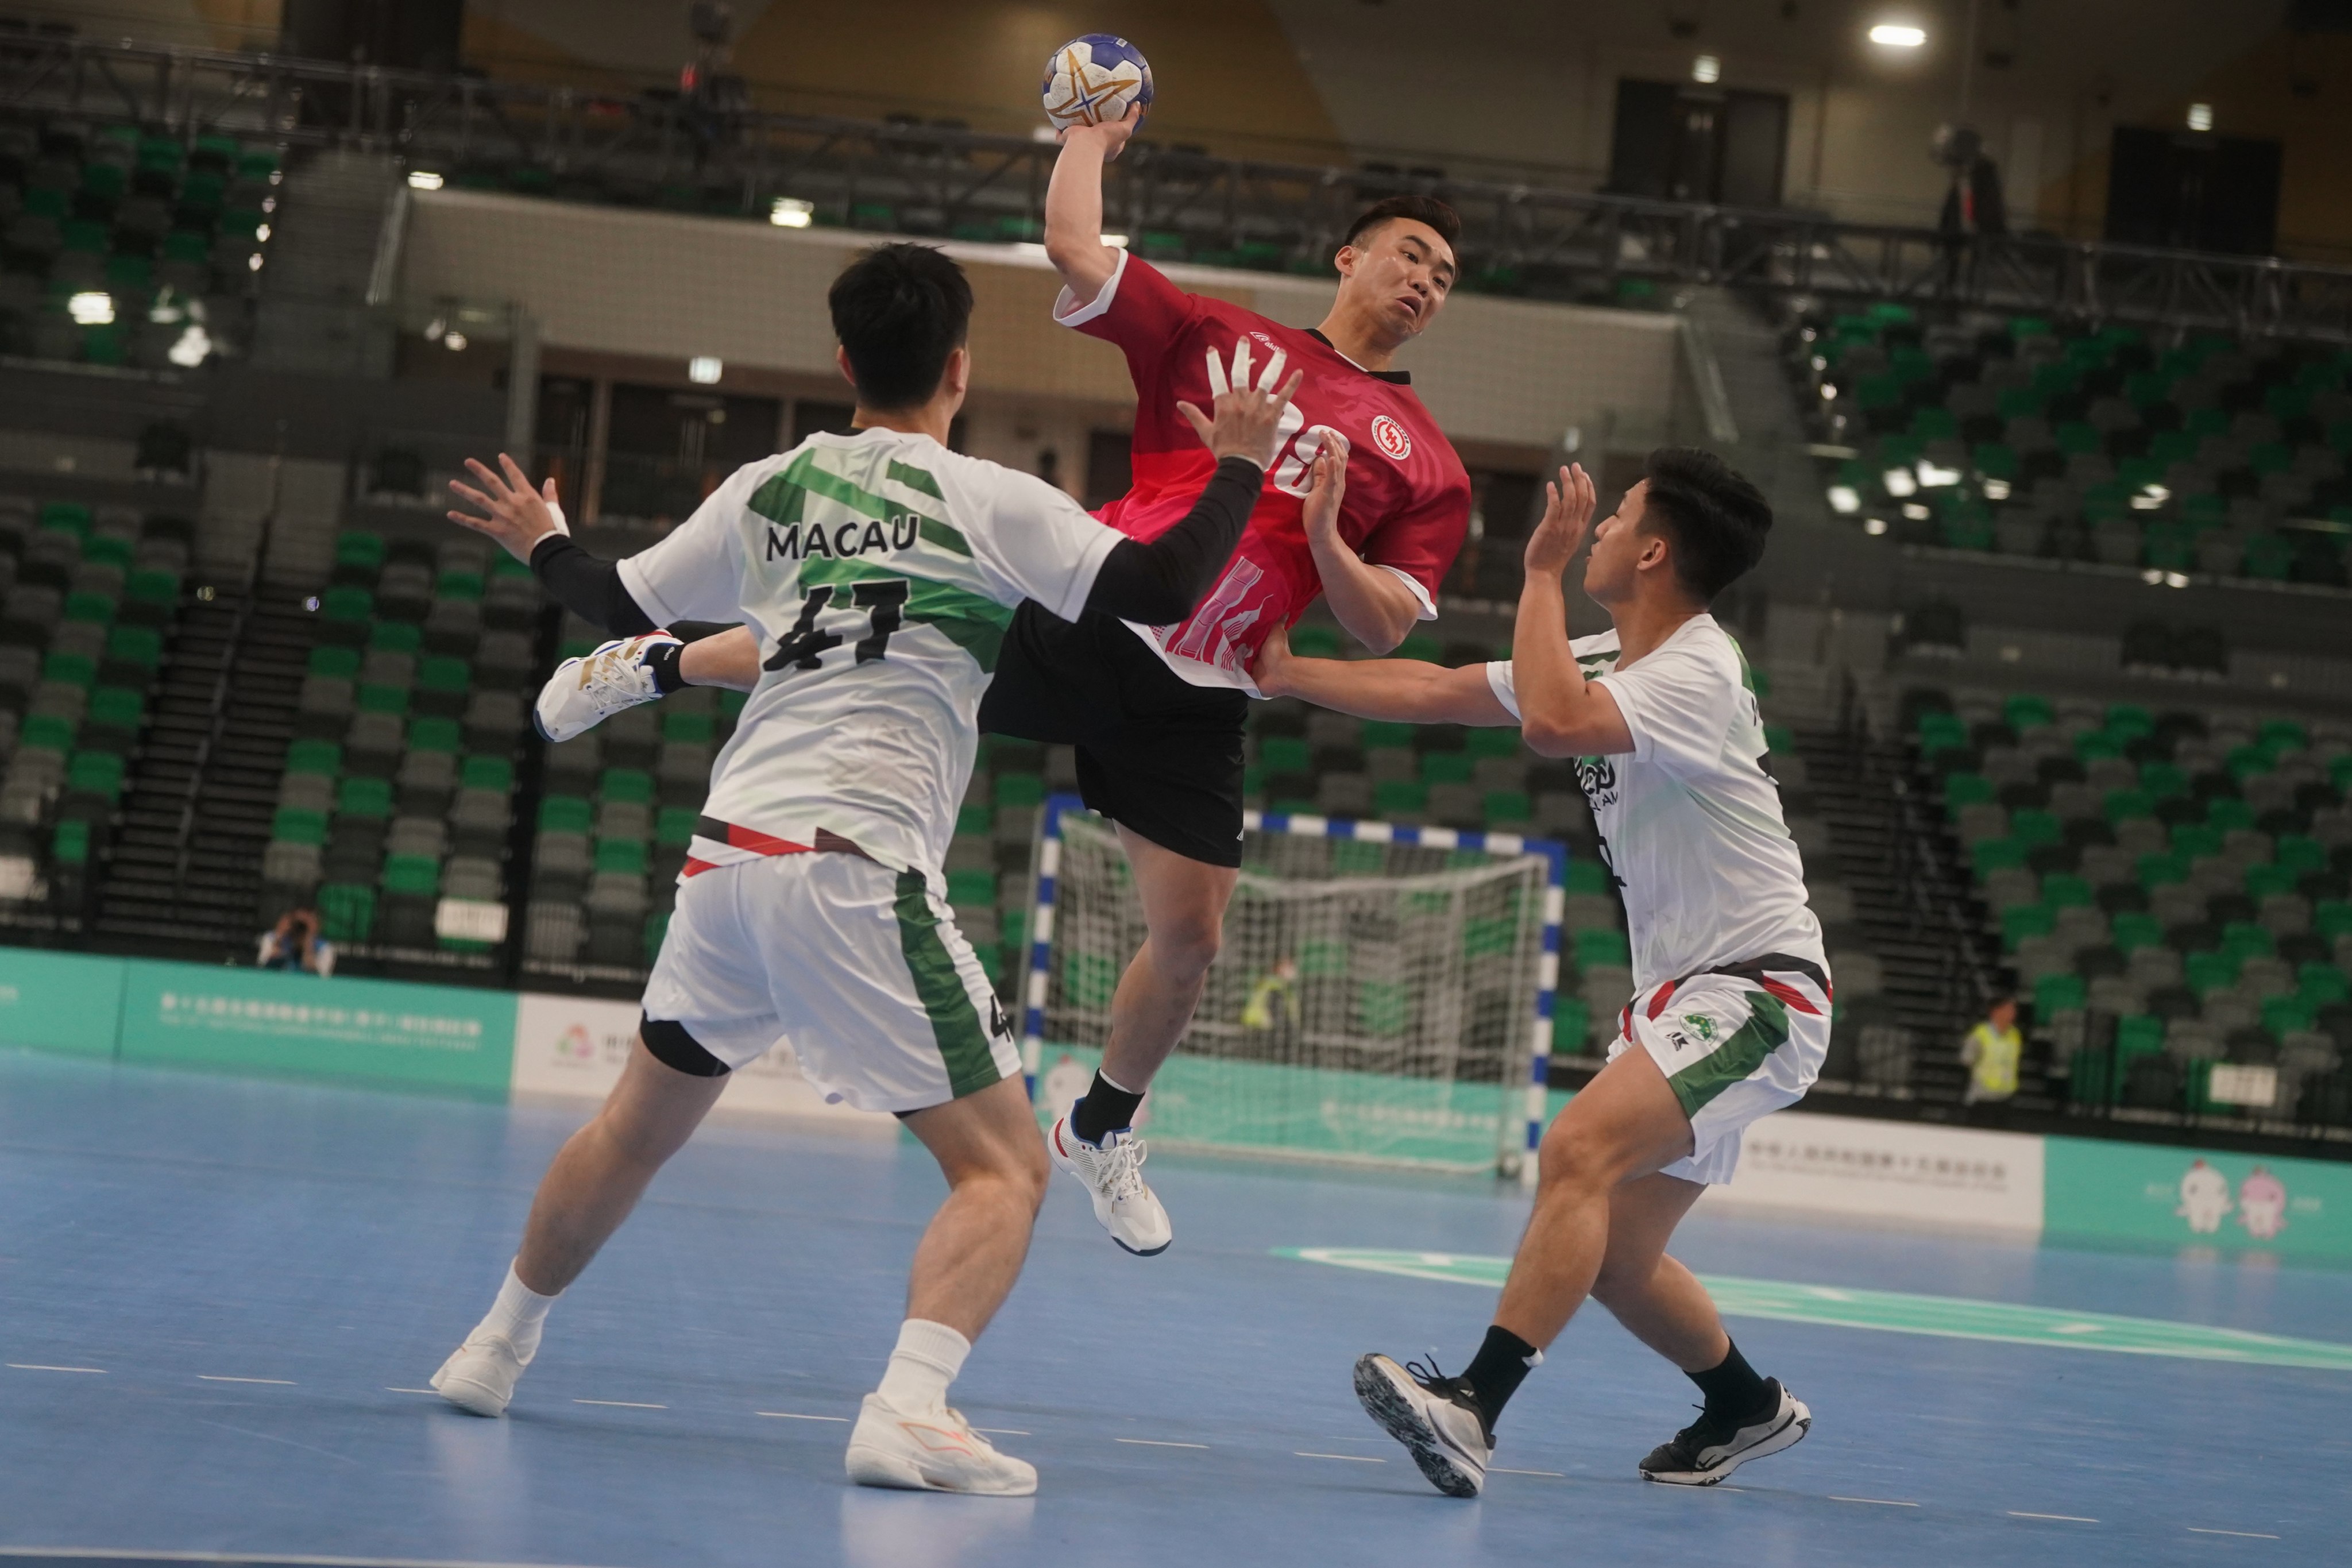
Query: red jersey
1407	504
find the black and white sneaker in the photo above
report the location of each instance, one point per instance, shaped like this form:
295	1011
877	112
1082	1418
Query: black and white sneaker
1434	1418
1712	1446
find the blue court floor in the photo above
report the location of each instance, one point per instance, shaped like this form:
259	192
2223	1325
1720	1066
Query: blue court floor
217	1299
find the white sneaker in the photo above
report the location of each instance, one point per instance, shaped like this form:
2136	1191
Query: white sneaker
1711	1447
480	1376
1112	1173
584	692
938	1452
1432	1416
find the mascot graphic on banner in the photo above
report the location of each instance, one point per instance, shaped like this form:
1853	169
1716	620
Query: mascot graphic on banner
2204	1198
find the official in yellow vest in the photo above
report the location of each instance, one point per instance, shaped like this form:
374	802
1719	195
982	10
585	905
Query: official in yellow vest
1990	1052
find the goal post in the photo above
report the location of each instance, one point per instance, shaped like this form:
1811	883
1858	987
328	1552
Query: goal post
1383	995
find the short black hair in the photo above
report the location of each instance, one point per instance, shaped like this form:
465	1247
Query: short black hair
1421	209
899	311
1713	517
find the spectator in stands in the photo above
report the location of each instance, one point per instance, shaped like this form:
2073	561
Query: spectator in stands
295	945
1990	1052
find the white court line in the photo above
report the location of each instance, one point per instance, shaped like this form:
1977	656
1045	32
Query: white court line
273	1382
1880	1501
621	1404
1002	1431
2246	1534
35	1366
796	1416
389	1389
1156	1443
1498	1470
2069	1518
1351	1458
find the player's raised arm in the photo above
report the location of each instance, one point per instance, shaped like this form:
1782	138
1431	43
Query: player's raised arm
1561	714
1404	689
1074	204
1370	602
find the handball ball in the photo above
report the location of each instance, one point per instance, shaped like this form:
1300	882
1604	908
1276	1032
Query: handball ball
1094	78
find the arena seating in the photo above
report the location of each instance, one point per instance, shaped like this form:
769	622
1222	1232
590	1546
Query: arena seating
399	783
118	211
2212	457
2186	873
89	596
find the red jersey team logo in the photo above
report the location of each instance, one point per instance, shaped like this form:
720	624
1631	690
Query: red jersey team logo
1391	438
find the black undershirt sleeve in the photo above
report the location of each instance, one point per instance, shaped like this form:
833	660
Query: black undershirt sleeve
1158	585
589	589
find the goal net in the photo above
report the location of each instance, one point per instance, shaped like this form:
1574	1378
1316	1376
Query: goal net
1383	995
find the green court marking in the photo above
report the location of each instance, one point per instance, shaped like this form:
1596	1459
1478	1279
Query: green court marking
1899	1312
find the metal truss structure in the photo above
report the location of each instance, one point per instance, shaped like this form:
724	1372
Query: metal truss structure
712	153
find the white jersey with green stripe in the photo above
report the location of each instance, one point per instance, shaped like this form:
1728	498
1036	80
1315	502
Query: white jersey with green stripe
879	572
1689	821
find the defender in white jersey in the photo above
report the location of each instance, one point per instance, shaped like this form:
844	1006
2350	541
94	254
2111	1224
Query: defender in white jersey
1729	1017
879	571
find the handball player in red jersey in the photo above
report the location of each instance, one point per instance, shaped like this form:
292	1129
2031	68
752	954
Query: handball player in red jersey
1366	505
1157	713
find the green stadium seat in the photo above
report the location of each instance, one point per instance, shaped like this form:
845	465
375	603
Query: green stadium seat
2136	929
1019	789
2033	829
417	876
630	785
1506	808
1400	797
1586	875
1315	642
336	663
565	813
434	734
2210	972
2063	891
1284	753
2019	922
1600	947
974	821
395	637
1492	742
2059	994
691	728
314	757
1445	767
971	887
486	773
2026	712
364	798
674	827
292	825
1996	854
626	856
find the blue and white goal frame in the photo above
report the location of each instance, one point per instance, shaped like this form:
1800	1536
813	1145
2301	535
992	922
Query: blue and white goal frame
1553	853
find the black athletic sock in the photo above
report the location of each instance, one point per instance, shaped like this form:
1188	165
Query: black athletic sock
1733	1389
1496	1372
662	659
1106	1108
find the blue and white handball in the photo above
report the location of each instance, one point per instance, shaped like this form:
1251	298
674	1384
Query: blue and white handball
1095	77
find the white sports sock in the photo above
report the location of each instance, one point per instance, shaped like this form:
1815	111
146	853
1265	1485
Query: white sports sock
927	1358
518	1314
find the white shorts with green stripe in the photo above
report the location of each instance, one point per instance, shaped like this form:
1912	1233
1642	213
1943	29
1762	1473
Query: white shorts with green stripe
860	967
1733	1050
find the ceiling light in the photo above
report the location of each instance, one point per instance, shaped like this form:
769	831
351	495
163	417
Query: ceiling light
791	212
1874	526
2201	116
1916	511
704	369
454	342
1707	68
1996	488
1931	476
1899	483
93	308
1844	498
424	180
1898	36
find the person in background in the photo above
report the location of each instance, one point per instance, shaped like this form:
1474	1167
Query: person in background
1990	1051
295	945
1274	997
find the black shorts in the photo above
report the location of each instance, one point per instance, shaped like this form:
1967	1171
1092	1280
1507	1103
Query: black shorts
1156	753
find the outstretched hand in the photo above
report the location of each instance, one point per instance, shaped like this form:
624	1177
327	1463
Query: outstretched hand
519	516
1327	484
1567	514
1248	414
1272	665
1112	134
